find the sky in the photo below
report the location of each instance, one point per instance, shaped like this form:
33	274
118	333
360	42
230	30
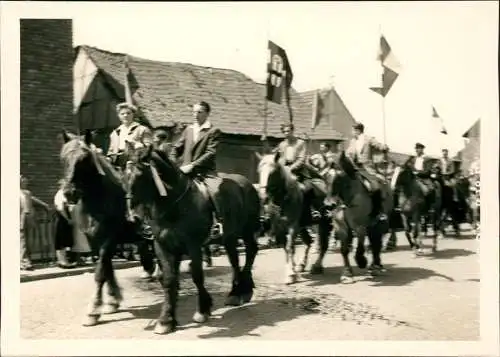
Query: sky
447	50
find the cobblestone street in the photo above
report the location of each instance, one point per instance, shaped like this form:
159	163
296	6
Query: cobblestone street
425	298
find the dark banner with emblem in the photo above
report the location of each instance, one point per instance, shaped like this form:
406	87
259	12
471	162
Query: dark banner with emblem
279	74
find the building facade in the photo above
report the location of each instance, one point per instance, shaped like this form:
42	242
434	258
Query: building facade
46	100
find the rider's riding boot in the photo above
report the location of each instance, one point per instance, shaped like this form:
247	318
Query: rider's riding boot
217	224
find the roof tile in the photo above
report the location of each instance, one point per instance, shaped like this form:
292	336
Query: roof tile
166	90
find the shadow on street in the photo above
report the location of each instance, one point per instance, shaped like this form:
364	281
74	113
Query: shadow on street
394	276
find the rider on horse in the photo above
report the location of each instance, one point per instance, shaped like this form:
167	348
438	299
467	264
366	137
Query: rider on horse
360	150
421	166
449	172
197	148
129	131
323	160
292	152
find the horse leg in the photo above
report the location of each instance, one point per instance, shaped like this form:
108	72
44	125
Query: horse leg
346	237
146	258
233	298
166	322
94	313
307	239
290	275
407	229
246	280
204	299
437	227
207	256
375	237
359	257
103	273
416	218
324	230
392	241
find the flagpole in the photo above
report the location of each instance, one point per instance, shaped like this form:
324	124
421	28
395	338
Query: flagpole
384	133
263	138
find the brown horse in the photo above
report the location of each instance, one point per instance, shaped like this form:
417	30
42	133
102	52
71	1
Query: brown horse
293	211
95	187
356	217
182	217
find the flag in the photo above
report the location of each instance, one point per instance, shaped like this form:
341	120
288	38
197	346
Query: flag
323	107
390	65
436	116
279	74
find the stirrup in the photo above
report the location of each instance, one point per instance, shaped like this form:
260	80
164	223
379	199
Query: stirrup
217	228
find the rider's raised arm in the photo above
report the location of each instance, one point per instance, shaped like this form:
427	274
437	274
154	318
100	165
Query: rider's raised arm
211	150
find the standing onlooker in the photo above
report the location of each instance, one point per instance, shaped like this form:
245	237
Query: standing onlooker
64	230
27	220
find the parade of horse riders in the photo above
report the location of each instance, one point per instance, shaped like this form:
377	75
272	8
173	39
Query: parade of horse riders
190	187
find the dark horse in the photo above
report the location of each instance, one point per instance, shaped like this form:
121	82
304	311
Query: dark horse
293	217
95	187
454	207
182	218
416	204
357	217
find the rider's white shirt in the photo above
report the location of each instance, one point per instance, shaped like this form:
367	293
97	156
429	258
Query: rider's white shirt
122	138
197	128
419	163
360	142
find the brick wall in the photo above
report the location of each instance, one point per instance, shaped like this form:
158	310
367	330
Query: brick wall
46	100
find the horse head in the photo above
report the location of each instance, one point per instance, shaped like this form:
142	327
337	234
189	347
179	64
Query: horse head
403	177
340	176
82	164
150	175
274	179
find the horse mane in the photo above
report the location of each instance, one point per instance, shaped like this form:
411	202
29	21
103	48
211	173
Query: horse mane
109	170
75	145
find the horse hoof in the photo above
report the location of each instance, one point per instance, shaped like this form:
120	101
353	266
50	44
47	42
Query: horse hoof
207	264
110	309
91	320
346	279
434	249
145	275
390	248
290	279
245	298
161	329
300	268
200	318
232	301
317	269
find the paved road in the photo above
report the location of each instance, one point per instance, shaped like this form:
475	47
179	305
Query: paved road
426	298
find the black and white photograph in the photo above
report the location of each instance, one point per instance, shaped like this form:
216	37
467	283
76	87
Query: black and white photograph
259	178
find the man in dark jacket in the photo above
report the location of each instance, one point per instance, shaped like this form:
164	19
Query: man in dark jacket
197	149
421	166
